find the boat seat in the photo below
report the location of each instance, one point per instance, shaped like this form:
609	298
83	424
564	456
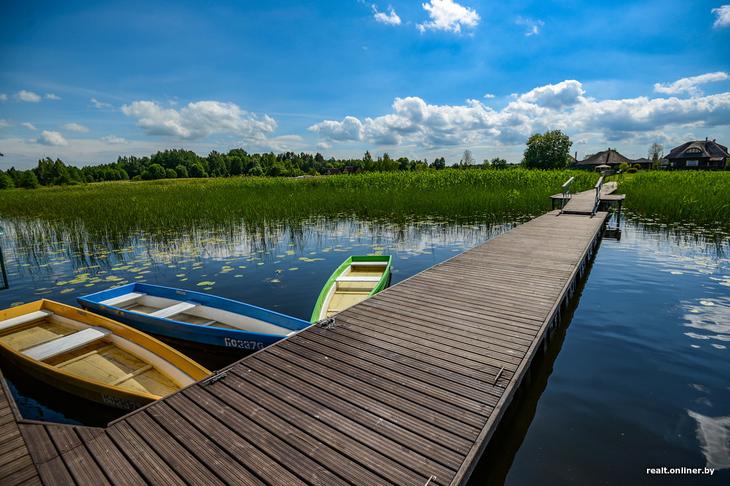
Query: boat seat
357	279
66	343
368	264
24	319
121	299
173	309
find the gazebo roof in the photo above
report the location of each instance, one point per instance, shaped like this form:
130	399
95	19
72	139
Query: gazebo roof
606	157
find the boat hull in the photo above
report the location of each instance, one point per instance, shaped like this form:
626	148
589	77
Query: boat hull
232	340
81	384
319	312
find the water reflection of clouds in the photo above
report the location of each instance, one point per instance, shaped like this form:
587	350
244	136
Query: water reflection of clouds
712	316
713	434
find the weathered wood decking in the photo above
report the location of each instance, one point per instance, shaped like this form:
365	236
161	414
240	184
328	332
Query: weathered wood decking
406	388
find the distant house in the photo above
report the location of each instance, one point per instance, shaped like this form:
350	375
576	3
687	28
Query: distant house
642	162
698	154
610	158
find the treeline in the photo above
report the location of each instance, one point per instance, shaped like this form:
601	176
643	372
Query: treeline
177	163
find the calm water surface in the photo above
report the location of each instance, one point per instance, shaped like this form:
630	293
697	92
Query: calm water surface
638	377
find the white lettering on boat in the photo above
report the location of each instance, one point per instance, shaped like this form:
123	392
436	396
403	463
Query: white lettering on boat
238	343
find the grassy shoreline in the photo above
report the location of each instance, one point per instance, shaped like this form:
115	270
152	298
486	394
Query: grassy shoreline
472	194
491	196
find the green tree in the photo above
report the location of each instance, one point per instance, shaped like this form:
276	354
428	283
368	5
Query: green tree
6	182
170	174
499	163
549	150
197	170
28	180
656	152
154	171
181	171
439	163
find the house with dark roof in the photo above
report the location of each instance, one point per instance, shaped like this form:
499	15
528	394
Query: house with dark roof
610	158
699	154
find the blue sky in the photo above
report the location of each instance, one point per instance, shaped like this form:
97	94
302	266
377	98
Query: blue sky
89	81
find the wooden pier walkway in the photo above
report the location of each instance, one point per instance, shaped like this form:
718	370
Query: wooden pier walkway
405	388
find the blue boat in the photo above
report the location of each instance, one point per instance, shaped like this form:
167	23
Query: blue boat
193	317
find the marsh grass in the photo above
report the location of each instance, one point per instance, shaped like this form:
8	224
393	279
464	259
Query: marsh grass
172	205
680	197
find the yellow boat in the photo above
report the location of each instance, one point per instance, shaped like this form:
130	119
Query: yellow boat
91	356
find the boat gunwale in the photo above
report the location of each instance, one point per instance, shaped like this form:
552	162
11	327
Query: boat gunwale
41	303
327	289
85	300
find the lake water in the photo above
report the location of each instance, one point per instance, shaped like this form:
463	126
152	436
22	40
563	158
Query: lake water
638	377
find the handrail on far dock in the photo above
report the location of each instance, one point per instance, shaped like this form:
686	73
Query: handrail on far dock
598	187
566	192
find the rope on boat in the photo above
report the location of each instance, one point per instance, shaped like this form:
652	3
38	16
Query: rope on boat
216	376
328	323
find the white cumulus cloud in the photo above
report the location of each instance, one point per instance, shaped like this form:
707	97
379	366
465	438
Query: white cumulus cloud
3	97
532	26
99	104
113	139
199	119
28	125
76	127
51	138
722	16
390	18
52	97
690	85
564	105
28	96
449	16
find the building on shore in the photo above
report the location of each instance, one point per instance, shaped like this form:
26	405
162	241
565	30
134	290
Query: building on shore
610	159
699	154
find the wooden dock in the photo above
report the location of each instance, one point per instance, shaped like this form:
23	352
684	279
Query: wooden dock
405	388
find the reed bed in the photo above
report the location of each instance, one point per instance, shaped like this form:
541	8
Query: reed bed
480	195
681	197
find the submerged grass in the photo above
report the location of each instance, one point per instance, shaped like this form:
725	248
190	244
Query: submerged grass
481	195
680	197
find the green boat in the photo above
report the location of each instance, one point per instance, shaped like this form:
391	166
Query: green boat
356	279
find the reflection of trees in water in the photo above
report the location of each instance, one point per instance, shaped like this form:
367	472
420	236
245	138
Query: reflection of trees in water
714	436
37	245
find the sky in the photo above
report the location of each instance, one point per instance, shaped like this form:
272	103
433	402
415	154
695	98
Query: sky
89	81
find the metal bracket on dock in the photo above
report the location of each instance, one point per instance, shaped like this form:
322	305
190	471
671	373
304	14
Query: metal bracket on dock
496	378
431	478
328	323
217	376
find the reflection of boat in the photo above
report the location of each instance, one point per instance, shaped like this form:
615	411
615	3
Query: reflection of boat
92	356
193	317
356	279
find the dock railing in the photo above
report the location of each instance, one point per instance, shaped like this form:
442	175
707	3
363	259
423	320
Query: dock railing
598	187
566	192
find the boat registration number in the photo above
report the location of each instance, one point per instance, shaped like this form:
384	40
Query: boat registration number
241	344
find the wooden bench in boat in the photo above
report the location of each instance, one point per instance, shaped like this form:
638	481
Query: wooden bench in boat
357	279
66	343
368	264
24	319
173	309
122	299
